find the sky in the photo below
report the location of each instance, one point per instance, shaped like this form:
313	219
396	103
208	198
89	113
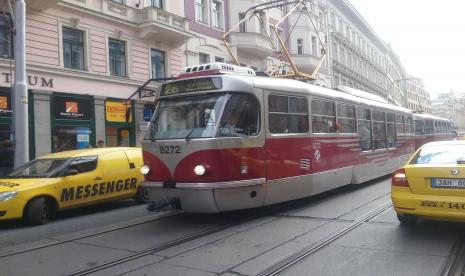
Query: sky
428	36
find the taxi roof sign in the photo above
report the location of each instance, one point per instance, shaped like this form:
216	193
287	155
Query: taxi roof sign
216	68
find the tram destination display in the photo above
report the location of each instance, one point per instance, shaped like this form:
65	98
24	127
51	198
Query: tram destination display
191	85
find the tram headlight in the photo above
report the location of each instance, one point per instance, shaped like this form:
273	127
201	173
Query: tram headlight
144	170
200	170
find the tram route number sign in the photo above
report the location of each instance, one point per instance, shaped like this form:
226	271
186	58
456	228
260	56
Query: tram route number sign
191	85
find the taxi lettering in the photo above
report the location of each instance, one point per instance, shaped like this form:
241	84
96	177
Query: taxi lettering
96	189
8	184
446	205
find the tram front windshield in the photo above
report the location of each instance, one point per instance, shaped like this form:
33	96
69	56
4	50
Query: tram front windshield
199	117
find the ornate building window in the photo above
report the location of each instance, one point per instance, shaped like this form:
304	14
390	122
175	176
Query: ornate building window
73	49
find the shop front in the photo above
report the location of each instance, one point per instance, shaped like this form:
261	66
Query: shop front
72	122
119	123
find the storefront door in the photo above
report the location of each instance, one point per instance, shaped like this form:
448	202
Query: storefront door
119	124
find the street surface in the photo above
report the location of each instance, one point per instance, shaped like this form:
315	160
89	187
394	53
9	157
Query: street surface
238	243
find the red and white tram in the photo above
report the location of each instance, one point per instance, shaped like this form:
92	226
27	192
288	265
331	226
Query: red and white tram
224	139
430	128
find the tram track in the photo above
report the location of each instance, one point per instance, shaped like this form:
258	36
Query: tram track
163	246
298	256
51	244
455	264
272	270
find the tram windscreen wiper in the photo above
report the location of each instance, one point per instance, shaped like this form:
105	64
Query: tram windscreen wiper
189	135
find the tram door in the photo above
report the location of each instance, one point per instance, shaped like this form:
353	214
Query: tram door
288	149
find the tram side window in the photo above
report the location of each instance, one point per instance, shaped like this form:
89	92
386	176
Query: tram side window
379	130
419	127
391	130
346	118
287	114
429	127
323	117
240	116
400	123
408	124
364	128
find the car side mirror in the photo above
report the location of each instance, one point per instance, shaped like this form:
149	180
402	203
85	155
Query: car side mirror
69	172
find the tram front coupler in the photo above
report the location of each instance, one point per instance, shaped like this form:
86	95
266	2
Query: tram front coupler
164	205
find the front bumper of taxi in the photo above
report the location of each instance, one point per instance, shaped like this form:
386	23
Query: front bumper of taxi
12	209
428	206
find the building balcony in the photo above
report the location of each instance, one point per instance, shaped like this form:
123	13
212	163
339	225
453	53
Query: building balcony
255	44
153	23
308	63
41	5
161	26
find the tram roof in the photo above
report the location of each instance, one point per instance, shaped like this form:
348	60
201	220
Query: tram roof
282	84
429	116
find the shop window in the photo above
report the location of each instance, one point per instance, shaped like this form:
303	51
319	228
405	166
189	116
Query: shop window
219	59
6	150
71	138
158	64
323	117
84	164
5	104
118	136
379	130
346	118
73	48
6	40
287	114
117	51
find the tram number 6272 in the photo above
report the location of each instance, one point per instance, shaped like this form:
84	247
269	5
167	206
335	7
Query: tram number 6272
170	149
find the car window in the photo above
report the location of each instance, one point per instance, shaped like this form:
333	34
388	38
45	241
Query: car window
84	164
440	154
37	168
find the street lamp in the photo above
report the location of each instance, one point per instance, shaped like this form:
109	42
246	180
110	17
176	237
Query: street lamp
20	107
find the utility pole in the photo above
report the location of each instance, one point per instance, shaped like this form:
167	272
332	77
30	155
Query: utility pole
20	99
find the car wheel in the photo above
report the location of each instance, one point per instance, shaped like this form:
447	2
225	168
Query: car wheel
142	195
407	219
38	211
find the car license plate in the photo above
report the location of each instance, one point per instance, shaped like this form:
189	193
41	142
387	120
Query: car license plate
447	183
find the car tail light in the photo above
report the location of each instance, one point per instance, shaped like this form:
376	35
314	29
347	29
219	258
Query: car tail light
399	178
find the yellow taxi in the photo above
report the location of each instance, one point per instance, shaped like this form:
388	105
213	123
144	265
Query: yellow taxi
432	183
70	179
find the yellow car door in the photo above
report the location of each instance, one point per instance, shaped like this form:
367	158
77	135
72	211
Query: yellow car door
120	175
80	183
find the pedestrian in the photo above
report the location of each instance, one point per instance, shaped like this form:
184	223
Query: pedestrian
100	144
